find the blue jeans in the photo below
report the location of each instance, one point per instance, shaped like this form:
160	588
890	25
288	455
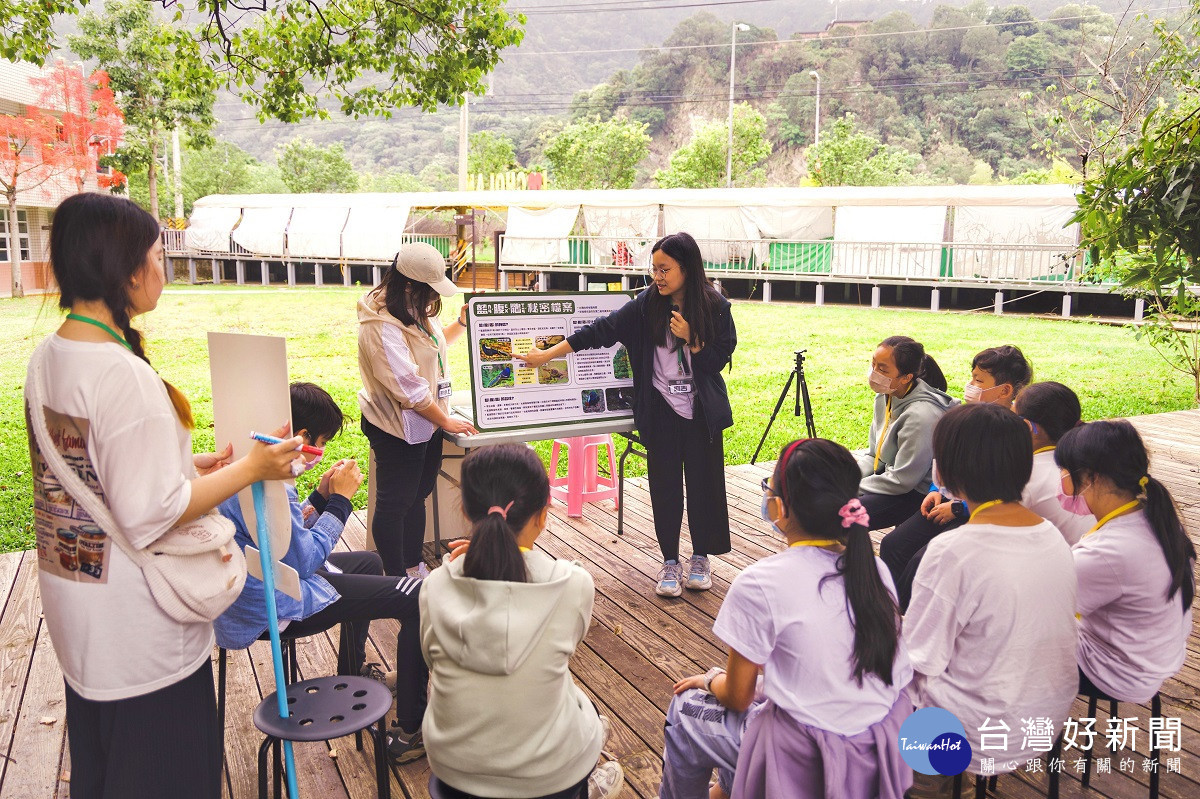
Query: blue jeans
700	735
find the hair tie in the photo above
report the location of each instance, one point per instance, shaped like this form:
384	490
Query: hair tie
853	512
502	511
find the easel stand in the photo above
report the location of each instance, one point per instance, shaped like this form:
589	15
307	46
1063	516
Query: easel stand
268	572
801	398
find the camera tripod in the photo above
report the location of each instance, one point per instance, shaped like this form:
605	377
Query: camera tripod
801	395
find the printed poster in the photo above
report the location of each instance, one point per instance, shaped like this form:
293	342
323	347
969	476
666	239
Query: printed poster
70	544
580	387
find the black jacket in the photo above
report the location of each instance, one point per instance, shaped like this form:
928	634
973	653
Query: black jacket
629	325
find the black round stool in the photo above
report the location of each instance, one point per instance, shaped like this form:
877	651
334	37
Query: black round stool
320	710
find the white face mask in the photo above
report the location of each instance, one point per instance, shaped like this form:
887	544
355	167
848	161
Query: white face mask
937	481
880	384
973	393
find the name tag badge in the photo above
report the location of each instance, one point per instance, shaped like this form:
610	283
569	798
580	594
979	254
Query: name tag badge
681	386
443	389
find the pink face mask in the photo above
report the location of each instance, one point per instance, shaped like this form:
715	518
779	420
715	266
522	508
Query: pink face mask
1076	504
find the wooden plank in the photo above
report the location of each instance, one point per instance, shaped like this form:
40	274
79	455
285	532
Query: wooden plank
37	747
18	632
242	695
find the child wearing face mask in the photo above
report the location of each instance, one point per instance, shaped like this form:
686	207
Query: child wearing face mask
910	397
1135	565
998	374
819	622
1051	409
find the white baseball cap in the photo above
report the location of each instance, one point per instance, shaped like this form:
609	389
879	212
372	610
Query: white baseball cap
420	261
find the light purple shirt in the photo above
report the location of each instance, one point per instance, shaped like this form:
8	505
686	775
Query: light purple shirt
667	366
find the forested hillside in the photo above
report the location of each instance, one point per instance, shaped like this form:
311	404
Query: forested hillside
961	88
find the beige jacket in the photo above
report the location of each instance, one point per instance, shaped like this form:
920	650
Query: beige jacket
399	367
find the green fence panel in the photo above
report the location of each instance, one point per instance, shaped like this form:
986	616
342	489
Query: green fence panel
796	256
579	251
947	265
439	243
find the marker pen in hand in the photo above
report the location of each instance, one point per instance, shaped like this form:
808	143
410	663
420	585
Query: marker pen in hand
266	439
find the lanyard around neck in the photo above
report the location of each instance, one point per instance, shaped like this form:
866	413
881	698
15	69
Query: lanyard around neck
814	542
433	338
1044	449
984	506
887	419
97	323
1108	517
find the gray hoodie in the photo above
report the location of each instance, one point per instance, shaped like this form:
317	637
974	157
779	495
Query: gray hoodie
505	719
906	457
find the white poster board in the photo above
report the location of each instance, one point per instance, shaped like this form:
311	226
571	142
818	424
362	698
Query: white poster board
250	394
581	387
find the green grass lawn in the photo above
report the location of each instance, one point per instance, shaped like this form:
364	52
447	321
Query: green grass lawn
1113	374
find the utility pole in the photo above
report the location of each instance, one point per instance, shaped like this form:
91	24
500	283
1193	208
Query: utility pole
462	145
177	165
738	26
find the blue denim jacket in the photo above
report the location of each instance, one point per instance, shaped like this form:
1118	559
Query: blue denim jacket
246	619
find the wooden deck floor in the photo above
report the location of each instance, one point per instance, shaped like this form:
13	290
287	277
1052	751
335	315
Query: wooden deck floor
639	644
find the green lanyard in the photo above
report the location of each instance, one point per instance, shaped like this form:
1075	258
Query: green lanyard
683	367
433	338
102	326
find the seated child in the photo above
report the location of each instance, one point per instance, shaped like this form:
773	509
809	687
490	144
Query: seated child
346	588
819	622
1050	410
1135	566
991	626
498	628
998	374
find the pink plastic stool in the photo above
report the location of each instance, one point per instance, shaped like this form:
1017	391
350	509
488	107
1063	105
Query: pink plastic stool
583	482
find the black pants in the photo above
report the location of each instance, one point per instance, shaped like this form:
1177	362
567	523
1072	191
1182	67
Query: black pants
888	510
405	475
162	745
676	449
367	594
903	548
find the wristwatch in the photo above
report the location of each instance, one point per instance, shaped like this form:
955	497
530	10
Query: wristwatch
711	675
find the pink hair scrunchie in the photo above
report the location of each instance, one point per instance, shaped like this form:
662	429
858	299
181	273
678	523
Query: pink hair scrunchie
502	511
853	512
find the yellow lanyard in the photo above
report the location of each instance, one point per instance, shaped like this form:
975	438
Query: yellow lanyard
525	549
887	419
1044	449
984	506
1128	506
814	542
433	338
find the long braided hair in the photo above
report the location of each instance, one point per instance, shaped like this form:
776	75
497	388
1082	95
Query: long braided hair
98	242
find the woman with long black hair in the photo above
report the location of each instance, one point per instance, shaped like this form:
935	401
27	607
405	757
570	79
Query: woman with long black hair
819	622
680	335
1135	565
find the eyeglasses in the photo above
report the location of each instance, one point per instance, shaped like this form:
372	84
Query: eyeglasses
660	272
766	486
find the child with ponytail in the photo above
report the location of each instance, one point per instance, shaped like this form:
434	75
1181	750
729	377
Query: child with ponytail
1135	565
819	623
498	627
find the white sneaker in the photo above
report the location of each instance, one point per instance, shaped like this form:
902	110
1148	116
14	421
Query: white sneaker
420	571
699	573
670	579
606	781
605	725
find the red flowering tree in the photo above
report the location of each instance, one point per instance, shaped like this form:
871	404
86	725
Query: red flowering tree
76	122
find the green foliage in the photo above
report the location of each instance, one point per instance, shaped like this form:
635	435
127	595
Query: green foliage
489	153
223	168
700	163
287	56
1028	55
1140	216
308	167
848	157
597	155
390	181
1016	20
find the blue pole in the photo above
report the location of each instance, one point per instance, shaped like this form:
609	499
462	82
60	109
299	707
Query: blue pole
268	571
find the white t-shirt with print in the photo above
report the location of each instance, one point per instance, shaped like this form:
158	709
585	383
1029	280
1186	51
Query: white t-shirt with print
991	633
109	414
1132	636
1041	497
779	615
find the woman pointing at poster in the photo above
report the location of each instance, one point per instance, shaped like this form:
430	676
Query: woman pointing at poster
680	335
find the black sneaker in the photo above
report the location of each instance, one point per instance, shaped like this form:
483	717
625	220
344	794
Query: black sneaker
404	747
373	671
